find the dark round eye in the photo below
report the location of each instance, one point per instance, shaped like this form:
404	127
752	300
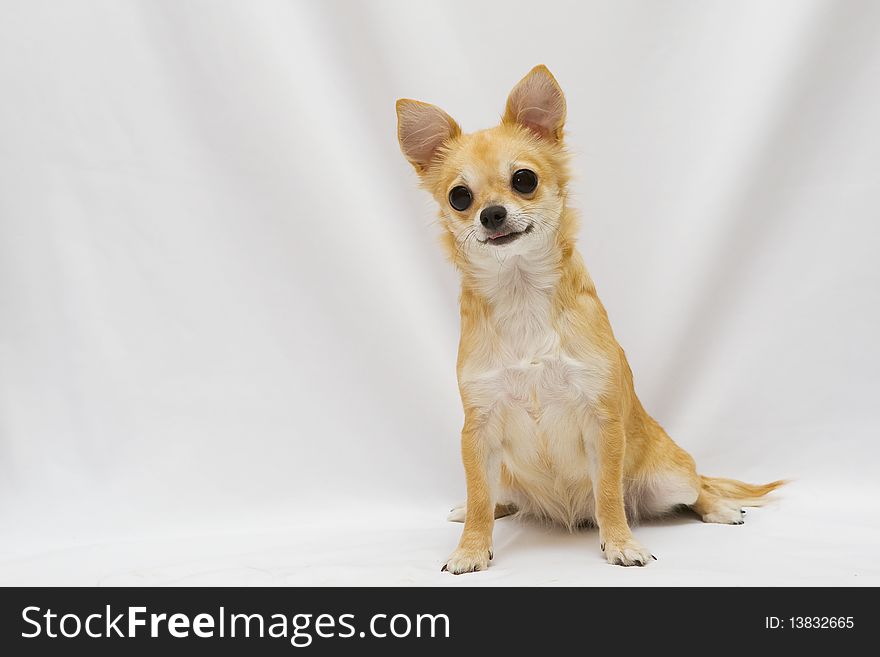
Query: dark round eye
524	181
460	198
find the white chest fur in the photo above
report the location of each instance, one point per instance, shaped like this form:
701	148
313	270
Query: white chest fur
534	400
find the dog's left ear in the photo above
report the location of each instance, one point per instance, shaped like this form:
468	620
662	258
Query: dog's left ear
537	103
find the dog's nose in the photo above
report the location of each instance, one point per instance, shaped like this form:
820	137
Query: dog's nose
493	216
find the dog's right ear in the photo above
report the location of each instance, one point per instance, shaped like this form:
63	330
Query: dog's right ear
421	130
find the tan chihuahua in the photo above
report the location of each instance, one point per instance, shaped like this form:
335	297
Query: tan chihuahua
552	427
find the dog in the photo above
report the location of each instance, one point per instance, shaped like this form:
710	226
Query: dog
552	424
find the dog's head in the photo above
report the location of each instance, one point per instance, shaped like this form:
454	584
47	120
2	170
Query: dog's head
500	190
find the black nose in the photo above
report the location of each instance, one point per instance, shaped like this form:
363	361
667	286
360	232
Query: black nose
493	216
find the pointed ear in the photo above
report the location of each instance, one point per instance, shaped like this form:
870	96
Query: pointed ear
421	130
537	103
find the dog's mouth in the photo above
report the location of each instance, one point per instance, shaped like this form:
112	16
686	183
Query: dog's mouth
506	238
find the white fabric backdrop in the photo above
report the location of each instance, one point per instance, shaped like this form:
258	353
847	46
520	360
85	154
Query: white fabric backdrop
227	333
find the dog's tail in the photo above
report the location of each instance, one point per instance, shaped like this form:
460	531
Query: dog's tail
739	492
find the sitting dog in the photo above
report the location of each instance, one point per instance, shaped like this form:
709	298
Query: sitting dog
552	425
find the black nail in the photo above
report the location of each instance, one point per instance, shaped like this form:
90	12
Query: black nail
653	557
602	547
443	569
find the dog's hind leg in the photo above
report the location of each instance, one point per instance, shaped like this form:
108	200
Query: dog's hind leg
459	513
667	480
722	500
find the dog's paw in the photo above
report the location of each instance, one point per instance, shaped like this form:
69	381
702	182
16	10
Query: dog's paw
467	560
725	515
457	514
629	553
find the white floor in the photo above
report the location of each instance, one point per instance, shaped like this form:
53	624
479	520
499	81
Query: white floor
805	538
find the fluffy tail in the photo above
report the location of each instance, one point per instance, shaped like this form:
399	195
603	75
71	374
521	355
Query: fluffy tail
737	491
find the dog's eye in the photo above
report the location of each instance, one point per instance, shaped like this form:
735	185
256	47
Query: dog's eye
460	198
524	181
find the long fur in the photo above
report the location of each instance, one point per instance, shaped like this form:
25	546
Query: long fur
553	426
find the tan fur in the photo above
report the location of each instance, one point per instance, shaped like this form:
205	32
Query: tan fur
553	425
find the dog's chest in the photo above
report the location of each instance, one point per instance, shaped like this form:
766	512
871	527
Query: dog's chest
535	396
528	369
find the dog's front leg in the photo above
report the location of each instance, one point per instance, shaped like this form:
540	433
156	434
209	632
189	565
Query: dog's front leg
615	536
482	468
